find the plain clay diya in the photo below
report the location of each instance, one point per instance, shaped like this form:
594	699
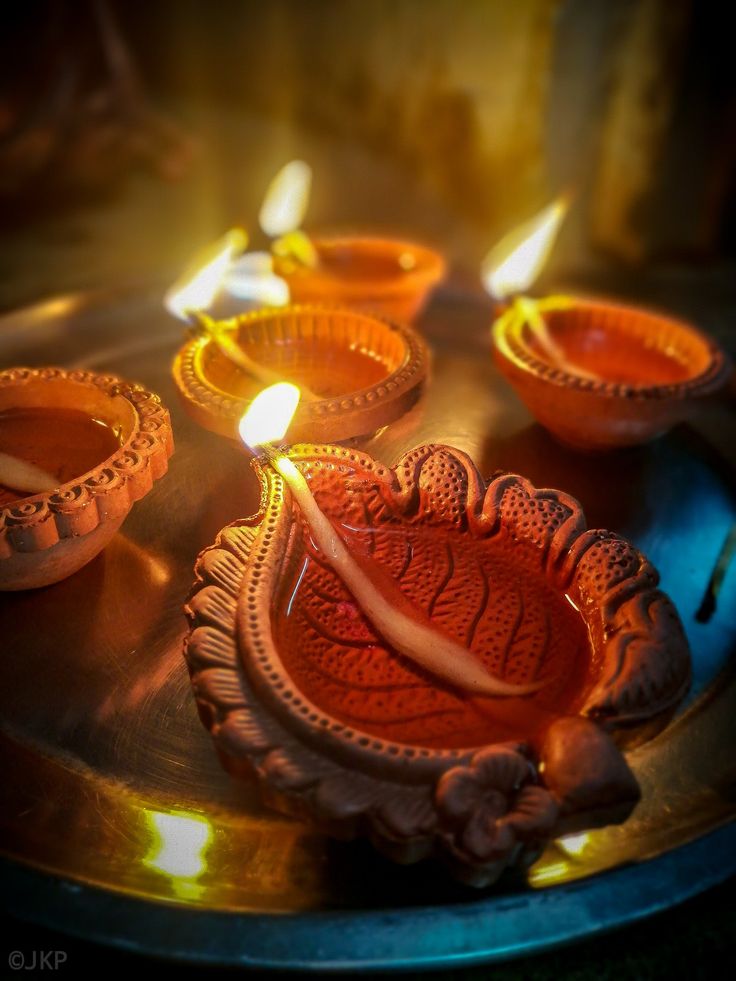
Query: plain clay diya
604	375
101	441
301	694
386	276
366	372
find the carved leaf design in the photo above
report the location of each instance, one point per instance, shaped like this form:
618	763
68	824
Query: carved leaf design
238	540
647	660
222	568
213	605
344	795
219	686
406	814
245	733
534	812
488	592
287	773
211	648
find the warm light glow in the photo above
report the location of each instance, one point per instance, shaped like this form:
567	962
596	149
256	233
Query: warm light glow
574	844
198	286
251	264
251	277
180	840
286	200
269	415
515	262
544	875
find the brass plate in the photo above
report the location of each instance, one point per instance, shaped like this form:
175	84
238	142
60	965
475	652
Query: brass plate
110	779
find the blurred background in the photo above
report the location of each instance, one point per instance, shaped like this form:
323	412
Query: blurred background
131	134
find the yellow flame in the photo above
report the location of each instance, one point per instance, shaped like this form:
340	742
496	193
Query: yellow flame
179	842
198	286
269	415
286	200
515	262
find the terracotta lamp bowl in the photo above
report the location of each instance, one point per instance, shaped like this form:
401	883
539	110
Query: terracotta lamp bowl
301	694
626	376
105	440
370	371
386	276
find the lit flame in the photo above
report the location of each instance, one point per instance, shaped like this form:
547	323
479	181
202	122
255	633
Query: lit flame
269	415
251	277
180	840
515	262
286	200
197	288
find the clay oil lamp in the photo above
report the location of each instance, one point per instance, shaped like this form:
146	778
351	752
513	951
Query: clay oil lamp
356	371
77	450
446	666
389	277
598	375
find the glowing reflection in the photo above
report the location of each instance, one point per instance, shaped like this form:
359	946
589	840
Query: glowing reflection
546	874
59	306
572	602
179	842
574	845
157	569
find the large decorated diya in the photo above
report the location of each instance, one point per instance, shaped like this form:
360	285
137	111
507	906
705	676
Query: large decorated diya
100	442
365	372
301	693
600	375
385	276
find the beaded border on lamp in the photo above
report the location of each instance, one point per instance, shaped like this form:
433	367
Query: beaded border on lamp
355	414
104	494
508	335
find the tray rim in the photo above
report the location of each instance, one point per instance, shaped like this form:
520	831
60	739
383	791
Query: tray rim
523	923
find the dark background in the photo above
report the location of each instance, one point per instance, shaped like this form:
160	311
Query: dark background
452	121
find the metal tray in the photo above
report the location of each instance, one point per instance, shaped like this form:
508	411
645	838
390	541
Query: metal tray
117	820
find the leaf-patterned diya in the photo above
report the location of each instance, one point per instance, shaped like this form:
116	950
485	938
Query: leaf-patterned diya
300	691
